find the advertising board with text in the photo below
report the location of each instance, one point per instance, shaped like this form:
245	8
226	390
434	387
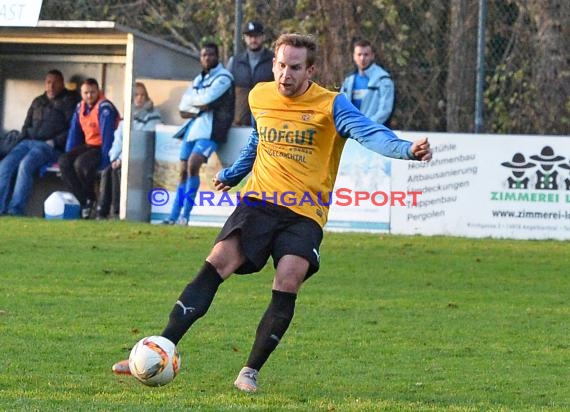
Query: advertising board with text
487	186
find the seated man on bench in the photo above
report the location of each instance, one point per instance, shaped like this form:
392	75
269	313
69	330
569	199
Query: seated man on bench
43	139
87	149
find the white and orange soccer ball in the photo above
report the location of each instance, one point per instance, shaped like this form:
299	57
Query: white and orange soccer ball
154	361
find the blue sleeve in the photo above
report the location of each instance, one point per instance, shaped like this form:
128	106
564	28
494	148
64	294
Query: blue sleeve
242	166
75	135
351	123
107	121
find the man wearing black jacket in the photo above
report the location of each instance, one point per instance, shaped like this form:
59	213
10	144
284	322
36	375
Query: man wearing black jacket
43	139
250	67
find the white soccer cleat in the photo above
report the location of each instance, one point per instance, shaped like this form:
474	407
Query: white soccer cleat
247	380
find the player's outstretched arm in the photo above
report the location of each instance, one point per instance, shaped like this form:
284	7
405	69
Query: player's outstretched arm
351	123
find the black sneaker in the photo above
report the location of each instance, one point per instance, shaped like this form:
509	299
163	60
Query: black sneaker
86	209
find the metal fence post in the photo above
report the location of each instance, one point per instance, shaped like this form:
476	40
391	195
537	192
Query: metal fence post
480	81
237	26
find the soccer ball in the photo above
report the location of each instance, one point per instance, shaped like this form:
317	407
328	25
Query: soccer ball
154	361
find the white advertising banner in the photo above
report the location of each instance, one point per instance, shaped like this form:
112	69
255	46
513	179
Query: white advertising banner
502	186
361	196
360	200
211	207
22	13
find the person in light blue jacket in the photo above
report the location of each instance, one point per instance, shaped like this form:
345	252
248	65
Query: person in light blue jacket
369	87
208	104
145	118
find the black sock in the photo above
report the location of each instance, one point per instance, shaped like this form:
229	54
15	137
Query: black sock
193	302
272	327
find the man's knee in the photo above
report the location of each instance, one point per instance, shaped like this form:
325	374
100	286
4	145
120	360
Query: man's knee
290	273
28	165
227	255
195	163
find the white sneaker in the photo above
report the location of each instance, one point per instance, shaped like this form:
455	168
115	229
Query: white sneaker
247	380
182	221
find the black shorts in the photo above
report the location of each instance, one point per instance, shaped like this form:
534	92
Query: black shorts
267	230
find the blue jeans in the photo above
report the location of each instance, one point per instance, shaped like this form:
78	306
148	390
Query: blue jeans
23	161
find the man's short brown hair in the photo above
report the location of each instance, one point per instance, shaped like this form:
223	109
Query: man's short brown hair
362	43
301	41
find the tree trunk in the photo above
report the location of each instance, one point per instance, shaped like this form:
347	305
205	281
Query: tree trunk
460	85
551	70
336	29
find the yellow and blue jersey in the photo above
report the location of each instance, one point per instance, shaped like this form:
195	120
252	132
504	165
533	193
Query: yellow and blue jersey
295	147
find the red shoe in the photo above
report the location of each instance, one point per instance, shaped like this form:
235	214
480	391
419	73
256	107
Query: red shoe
122	368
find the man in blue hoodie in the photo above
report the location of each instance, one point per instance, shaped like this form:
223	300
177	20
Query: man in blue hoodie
369	87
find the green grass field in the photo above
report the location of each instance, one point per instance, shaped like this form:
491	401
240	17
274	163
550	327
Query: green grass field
390	323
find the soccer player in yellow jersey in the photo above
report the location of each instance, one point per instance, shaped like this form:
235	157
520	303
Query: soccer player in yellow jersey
299	131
